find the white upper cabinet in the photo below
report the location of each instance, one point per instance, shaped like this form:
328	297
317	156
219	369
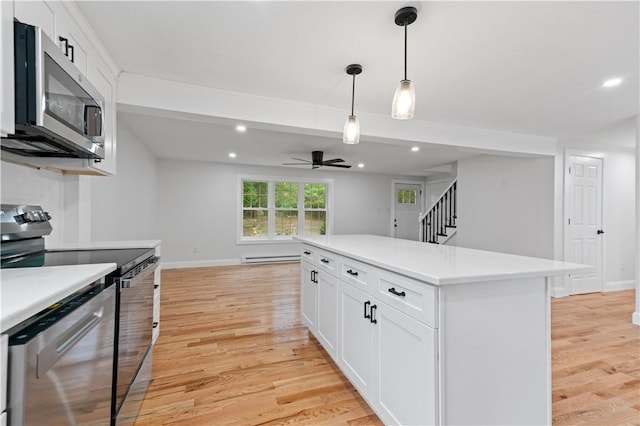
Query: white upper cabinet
63	23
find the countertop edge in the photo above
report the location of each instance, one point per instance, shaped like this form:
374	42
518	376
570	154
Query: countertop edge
433	280
15	318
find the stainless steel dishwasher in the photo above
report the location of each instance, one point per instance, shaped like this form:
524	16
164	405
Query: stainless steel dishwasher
61	362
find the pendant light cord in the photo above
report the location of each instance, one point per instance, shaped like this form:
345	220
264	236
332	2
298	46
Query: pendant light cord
405	50
353	93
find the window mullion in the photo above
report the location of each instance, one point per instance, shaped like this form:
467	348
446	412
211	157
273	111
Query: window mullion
301	208
271	203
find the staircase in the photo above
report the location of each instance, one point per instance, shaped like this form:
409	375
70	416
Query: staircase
439	224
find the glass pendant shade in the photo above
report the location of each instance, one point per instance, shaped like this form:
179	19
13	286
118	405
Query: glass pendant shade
404	101
351	134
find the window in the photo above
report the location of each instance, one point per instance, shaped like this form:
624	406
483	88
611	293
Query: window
406	196
315	209
277	209
254	209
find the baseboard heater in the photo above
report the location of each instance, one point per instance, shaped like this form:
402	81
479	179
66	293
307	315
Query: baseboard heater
271	259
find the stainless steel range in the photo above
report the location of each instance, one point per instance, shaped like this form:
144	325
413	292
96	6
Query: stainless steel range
23	229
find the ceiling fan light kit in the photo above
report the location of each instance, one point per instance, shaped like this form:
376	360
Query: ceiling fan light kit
351	133
404	99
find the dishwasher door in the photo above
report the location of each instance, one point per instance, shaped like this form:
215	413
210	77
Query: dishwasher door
61	369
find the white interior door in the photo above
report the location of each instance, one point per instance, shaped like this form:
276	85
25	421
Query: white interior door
408	203
583	206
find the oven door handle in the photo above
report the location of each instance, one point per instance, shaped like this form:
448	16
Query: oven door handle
50	354
131	281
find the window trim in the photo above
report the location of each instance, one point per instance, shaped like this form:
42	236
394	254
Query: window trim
272	239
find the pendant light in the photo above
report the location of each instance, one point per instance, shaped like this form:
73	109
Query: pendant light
351	133
404	100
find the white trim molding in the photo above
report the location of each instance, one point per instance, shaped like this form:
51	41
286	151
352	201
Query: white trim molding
199	263
619	285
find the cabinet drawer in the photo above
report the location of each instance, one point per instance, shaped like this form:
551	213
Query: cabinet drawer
327	262
416	299
308	254
358	274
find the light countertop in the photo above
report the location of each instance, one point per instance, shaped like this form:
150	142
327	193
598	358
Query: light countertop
26	291
103	245
440	264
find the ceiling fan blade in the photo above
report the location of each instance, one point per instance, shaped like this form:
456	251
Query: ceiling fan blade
344	166
295	164
300	159
335	160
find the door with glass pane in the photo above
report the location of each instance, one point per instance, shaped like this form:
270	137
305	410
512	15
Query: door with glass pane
407	210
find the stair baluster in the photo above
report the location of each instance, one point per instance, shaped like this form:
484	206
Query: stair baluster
442	216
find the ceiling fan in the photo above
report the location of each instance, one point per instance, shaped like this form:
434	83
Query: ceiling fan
317	161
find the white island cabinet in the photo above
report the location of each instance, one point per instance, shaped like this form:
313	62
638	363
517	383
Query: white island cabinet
432	334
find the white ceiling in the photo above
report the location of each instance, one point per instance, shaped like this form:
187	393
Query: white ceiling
525	67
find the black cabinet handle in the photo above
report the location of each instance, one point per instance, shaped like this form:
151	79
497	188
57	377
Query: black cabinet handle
66	45
373	318
313	277
351	272
71	49
307	253
393	290
599	231
155	324
366	315
324	260
156	286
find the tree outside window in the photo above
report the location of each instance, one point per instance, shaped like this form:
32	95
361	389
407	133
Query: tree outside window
255	217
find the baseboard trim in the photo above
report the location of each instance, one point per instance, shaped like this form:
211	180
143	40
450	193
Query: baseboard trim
200	263
557	292
635	318
619	285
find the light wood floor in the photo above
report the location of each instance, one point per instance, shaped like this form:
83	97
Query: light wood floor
232	350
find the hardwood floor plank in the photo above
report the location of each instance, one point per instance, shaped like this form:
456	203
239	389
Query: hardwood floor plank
233	351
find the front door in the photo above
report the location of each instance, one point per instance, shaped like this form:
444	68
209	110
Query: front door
583	203
407	210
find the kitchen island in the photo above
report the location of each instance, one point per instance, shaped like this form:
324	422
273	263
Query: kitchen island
433	334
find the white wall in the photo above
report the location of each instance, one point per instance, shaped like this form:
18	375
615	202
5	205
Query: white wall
505	204
124	206
198	209
92	208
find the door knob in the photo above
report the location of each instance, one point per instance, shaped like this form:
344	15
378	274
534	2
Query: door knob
600	231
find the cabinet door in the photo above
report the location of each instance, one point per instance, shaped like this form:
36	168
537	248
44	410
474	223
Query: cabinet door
308	296
327	312
103	80
406	368
355	350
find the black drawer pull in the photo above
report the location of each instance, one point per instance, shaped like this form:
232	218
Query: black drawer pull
366	315
308	253
324	260
373	318
350	272
393	290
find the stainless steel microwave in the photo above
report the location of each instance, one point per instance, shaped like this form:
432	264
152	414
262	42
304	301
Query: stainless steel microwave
58	112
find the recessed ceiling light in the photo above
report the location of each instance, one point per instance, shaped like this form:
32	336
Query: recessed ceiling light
415	148
360	165
241	128
232	155
612	82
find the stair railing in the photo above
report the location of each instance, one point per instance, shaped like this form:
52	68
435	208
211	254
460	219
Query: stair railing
434	222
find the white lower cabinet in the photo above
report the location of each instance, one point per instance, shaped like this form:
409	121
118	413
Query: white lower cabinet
308	296
406	378
389	357
355	350
327	322
319	305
